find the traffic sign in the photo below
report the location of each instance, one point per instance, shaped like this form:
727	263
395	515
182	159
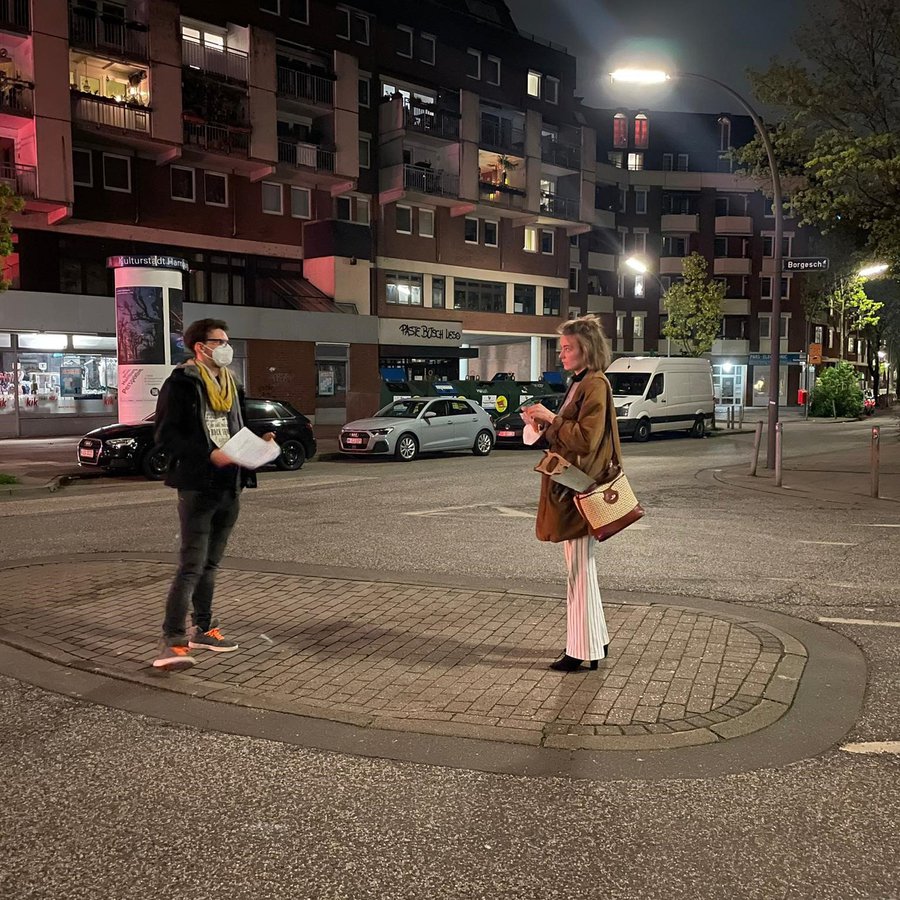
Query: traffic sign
815	354
805	264
784	359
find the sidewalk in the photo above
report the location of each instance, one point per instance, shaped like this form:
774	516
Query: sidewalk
432	657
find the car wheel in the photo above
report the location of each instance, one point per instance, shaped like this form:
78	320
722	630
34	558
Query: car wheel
484	443
155	464
407	448
292	456
698	429
641	431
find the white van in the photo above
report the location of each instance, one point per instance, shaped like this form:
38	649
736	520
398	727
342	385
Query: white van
662	393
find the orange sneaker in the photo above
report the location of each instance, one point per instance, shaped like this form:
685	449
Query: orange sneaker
173	655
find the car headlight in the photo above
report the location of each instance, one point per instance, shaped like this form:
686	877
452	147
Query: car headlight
623	410
382	431
119	443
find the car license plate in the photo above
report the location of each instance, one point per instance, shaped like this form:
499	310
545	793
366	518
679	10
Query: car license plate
86	453
353	440
506	434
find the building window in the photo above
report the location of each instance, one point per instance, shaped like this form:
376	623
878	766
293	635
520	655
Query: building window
623	199
404	41
492	70
301	203
181	184
83	167
765	289
271	6
722	206
551	89
769	245
682	162
668	162
117	173
639	327
215	188
724	133
403	219
353	25
638	285
547	241
640	202
298	11
352	209
524	299
490	233
471	230
552	301
437	291
271	198
365	152
635	162
820	333
830	337
620	285
616	158
479	296
573	279
720	247
404	288
473	63
641	131
426	222
620	130
531	239
534	84
620	325
639	243
425	48
674	245
365	90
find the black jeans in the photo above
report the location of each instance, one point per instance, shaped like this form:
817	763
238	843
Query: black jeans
207	518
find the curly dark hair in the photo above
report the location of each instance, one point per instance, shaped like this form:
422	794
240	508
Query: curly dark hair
197	332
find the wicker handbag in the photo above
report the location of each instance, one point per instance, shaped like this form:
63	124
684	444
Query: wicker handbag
611	505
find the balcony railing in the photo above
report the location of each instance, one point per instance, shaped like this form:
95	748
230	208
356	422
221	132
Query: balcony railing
558	153
229	140
502	195
502	135
227	63
22	179
15	14
308	156
17	97
428	181
109	113
560	207
305	86
107	34
428	120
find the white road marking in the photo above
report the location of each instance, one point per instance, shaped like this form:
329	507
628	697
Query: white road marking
839	621
839	585
874	525
873	747
829	543
503	511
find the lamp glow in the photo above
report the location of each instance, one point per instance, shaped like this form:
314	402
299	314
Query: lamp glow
639	76
869	271
636	265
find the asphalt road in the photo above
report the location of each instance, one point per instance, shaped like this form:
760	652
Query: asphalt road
101	803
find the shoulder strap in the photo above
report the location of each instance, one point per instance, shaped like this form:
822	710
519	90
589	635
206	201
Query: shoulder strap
612	424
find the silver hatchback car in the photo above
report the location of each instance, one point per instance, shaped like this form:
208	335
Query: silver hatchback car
405	428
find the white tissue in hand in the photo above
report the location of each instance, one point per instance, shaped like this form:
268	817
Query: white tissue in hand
530	434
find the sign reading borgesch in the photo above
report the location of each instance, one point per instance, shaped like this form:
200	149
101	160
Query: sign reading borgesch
805	264
148	262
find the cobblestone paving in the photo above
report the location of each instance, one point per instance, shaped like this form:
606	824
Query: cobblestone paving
427	659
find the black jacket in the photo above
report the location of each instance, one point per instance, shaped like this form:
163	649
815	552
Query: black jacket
181	431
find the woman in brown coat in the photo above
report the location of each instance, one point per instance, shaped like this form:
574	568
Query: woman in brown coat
581	433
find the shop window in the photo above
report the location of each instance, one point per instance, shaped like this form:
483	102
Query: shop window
272	198
552	301
524	299
215	188
116	173
83	167
438	289
331	373
479	296
62	382
403	288
301	203
181	184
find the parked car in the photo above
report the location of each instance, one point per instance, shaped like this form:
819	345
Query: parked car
869	402
406	428
130	448
509	426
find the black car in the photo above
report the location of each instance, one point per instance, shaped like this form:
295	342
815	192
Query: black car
130	448
509	426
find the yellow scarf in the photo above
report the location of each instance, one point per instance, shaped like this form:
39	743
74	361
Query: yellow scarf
220	393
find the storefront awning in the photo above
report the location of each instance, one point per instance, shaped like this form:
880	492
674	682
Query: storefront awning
412	351
294	292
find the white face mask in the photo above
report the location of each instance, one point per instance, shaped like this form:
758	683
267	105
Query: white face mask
222	355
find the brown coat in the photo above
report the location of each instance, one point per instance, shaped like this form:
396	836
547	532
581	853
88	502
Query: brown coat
582	435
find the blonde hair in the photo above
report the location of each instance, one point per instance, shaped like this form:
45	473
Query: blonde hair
588	331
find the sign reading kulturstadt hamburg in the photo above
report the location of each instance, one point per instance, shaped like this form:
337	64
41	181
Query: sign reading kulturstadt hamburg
805	264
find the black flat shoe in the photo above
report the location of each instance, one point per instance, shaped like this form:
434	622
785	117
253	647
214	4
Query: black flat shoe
568	663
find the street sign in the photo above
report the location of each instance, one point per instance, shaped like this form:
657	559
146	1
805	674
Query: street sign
805	264
785	359
815	354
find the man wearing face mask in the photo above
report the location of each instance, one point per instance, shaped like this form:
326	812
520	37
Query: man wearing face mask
199	409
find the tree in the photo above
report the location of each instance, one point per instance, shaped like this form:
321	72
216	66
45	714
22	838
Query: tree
9	203
694	308
837	392
840	122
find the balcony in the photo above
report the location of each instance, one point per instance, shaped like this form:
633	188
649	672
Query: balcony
671	265
502	195
734	225
560	207
14	15
736	306
502	136
730	347
100	111
229	64
561	154
425	181
601	262
22	179
225	140
681	223
599	303
427	120
304	86
306	156
732	265
107	34
17	97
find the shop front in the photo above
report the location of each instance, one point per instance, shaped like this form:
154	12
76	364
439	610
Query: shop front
788	376
423	349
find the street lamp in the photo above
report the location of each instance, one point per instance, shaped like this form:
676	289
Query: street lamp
873	270
657	76
637	265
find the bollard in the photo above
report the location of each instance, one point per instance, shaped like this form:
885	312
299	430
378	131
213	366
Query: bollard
876	459
741	419
778	470
754	460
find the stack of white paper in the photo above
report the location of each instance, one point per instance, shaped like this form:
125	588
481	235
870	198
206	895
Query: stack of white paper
249	451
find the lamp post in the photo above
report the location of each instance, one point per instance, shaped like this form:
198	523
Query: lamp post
647	76
637	265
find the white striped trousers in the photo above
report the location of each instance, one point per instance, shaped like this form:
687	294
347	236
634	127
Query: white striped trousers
586	632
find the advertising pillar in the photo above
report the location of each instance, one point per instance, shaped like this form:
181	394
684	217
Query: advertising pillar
149	326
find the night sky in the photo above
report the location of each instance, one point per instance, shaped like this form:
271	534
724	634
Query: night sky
721	38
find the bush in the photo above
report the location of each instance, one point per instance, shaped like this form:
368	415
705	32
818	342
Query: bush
8	479
837	393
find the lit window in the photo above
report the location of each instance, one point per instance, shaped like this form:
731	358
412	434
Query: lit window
492	70
300	203
473	63
638	285
271	198
426	222
635	162
620	325
403	288
490	234
639	327
534	84
641	131
181	183
404	41
404	219
620	130
471	230
531	239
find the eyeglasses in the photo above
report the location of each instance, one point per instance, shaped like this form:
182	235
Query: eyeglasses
220	341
